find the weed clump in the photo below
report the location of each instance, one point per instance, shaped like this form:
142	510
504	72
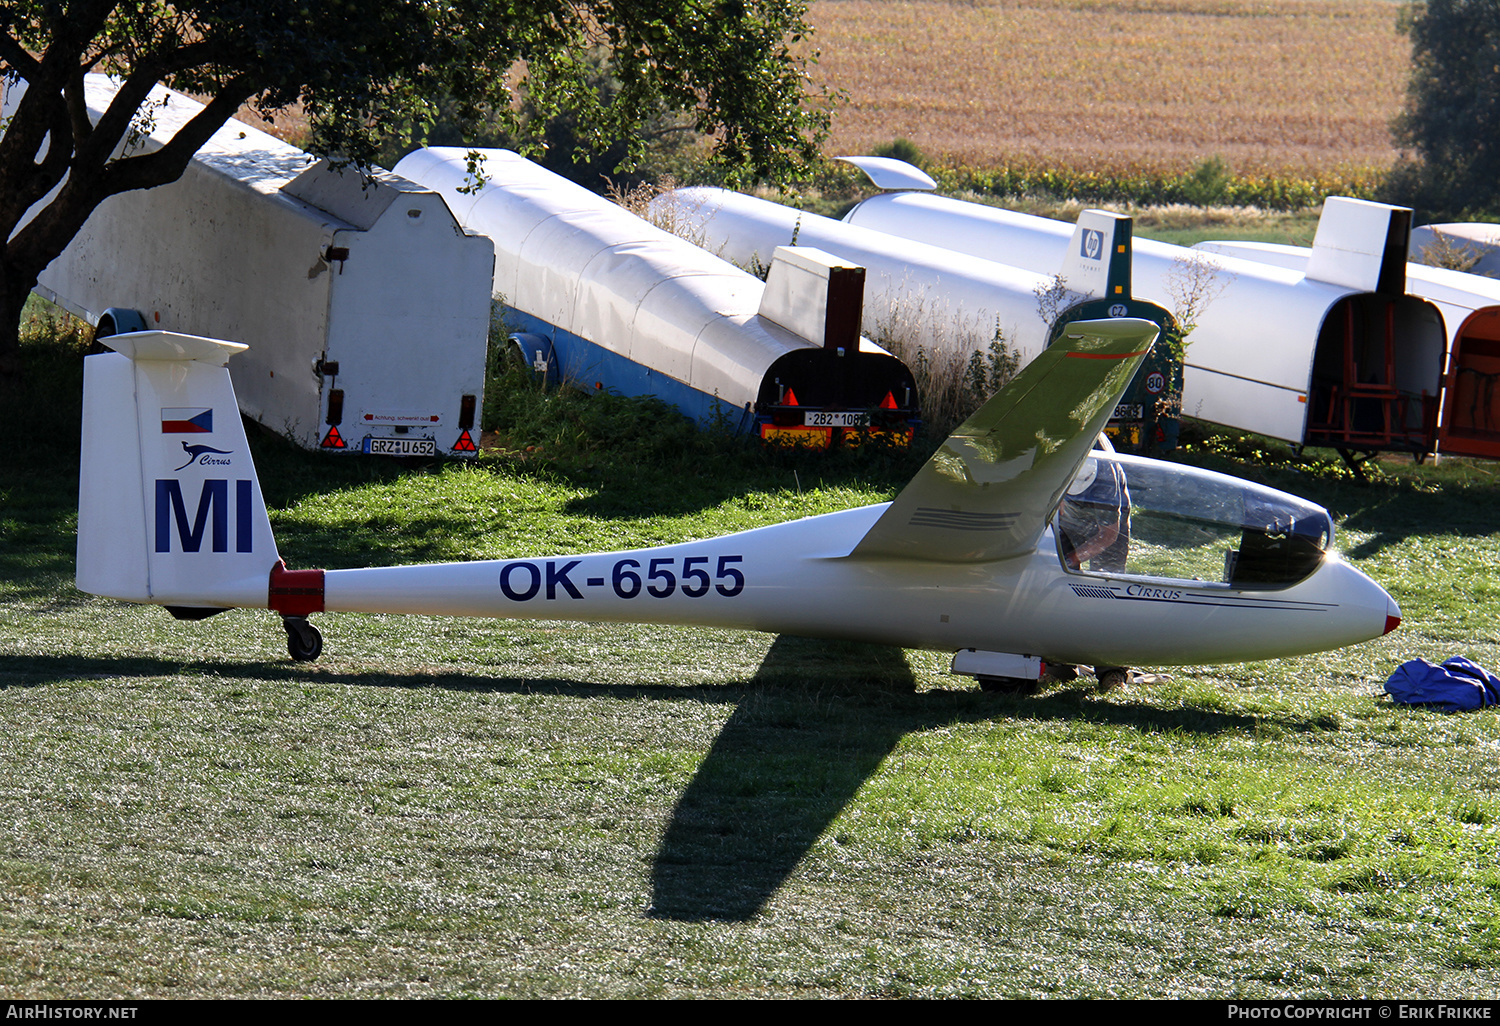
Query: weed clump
957	367
586	429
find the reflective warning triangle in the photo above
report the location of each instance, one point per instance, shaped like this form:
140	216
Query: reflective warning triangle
890	401
790	399
332	440
464	443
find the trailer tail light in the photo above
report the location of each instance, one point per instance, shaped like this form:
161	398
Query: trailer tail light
466	413
335	407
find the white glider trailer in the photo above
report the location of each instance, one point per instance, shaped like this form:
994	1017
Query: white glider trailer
1469	307
603	299
1337	354
947	301
1479	240
364	304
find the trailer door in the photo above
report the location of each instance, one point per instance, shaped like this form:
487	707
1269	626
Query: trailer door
1471	416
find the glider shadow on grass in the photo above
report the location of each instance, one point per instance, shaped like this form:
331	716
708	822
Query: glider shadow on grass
816	723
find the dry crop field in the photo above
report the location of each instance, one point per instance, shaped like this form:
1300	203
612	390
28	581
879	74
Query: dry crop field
1268	85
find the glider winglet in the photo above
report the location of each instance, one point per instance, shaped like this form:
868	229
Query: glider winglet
988	492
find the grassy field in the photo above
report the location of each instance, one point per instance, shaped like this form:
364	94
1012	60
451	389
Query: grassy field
1287	86
444	807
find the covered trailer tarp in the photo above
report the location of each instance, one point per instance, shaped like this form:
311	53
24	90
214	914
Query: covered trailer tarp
936	299
1476	243
1336	353
1469	304
618	303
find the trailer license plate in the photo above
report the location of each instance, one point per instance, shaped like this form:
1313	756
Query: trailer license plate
400	446
829	418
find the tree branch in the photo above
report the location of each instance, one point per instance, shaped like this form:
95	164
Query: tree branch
77	109
85	190
36	120
13	54
168	163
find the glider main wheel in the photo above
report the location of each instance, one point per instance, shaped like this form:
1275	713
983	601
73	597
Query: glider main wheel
303	642
1111	677
1006	685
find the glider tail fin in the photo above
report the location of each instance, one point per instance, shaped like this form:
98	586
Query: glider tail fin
1361	245
169	508
1097	264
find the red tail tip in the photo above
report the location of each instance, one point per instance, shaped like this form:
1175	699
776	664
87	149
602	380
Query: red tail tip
1391	623
295	592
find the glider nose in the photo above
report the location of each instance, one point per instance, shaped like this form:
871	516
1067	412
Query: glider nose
1375	611
1392	614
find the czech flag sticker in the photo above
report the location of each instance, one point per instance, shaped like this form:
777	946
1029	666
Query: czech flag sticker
193	420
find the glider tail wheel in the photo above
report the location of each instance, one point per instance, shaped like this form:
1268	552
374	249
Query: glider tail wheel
303	641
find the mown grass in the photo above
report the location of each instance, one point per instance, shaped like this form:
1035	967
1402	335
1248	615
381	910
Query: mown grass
446	807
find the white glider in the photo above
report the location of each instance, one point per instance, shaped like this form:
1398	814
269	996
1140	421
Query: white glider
969	558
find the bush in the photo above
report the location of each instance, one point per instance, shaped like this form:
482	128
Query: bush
1452	116
1208	184
902	149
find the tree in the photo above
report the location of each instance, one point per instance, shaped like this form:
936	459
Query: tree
1452	117
663	143
356	67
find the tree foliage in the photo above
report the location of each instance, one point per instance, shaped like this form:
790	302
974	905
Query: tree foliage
1451	123
356	68
664	143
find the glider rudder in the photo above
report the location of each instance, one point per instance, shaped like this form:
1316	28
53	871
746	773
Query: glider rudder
170	510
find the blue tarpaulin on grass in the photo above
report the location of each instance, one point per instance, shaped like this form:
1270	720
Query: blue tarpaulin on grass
1456	686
